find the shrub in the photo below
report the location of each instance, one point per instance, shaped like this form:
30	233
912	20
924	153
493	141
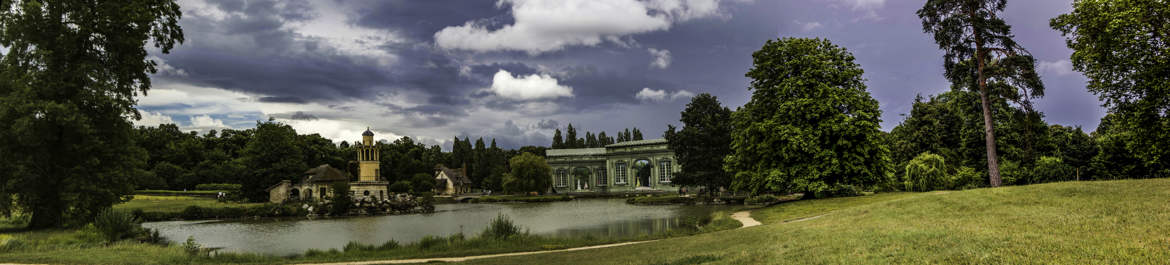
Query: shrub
357	246
400	186
428	242
501	228
1011	173
116	225
389	245
192	212
926	172
218	186
341	200
1049	169
839	190
966	178
762	199
9	242
191	247
422	182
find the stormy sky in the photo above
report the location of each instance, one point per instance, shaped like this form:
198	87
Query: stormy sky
514	70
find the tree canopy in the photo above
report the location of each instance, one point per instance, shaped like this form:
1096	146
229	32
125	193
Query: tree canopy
530	173
1121	46
702	143
67	89
810	125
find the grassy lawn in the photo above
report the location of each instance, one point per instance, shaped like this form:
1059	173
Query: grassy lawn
170	204
1106	222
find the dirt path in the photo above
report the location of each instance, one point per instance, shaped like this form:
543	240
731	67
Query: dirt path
744	217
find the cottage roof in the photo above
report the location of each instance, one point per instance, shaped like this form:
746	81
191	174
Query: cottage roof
456	175
638	142
574	152
324	173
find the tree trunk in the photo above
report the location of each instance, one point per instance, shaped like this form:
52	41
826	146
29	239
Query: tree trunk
988	125
46	213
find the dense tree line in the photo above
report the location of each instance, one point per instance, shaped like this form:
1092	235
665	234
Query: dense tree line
260	157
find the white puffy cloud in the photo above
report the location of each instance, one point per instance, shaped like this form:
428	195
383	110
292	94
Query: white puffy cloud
550	25
658	95
528	87
153	119
1059	68
204	122
661	58
808	26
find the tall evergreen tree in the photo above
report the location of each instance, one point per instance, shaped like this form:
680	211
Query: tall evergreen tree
483	163
68	78
981	55
590	140
558	142
571	137
602	139
637	134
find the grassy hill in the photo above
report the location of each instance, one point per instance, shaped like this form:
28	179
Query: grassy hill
1105	222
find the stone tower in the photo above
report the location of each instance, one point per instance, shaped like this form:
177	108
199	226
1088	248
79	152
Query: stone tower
368	158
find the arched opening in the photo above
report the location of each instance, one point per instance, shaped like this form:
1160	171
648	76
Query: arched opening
323	192
581	178
308	194
642	172
294	194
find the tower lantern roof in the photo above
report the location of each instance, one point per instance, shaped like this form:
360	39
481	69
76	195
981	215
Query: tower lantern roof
368	132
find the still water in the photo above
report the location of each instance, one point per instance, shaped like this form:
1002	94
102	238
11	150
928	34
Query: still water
597	217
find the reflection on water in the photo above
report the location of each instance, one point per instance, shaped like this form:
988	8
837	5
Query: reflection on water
598	217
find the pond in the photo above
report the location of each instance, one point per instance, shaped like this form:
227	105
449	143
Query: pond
597	217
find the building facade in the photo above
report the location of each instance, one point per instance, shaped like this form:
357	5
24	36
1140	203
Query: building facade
317	183
631	166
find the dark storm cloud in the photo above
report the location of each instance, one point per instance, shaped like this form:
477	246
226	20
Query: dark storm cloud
253	49
546	124
283	99
421	19
252	52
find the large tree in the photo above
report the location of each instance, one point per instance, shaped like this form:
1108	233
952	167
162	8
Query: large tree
530	173
703	142
1120	45
271	156
981	55
810	125
68	83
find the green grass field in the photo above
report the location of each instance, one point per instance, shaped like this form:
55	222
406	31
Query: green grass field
1106	222
170	204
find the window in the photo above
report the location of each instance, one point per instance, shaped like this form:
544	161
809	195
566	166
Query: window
665	170
562	178
602	179
619	176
